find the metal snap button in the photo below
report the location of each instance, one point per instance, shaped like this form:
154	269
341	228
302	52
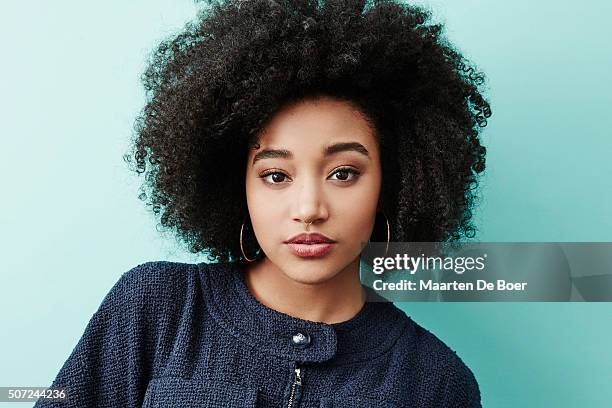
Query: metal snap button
300	339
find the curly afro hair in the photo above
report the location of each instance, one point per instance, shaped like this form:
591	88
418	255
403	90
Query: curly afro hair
211	88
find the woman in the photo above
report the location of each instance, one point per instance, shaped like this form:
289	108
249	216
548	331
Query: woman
279	137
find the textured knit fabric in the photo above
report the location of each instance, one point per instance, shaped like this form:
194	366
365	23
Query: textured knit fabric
192	335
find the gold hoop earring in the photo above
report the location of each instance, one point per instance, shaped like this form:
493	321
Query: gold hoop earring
388	232
242	248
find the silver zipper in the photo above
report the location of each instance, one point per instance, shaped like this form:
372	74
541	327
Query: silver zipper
297	382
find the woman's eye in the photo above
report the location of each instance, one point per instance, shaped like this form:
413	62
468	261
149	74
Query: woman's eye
346	174
274	177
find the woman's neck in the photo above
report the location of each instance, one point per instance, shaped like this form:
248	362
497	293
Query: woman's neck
333	301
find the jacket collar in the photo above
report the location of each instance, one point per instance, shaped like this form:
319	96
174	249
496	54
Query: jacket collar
371	332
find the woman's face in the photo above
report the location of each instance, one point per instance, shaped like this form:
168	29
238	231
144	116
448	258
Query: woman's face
317	161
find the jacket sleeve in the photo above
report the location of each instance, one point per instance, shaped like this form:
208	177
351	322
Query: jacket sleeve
111	364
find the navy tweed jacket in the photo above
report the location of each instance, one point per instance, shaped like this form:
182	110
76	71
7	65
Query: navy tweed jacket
172	334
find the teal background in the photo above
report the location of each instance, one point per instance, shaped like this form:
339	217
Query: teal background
71	222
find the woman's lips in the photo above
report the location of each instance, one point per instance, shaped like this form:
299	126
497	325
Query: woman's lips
310	250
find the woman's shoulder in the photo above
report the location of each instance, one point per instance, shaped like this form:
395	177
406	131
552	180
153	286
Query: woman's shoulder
161	285
152	273
432	350
154	279
442	368
152	289
156	274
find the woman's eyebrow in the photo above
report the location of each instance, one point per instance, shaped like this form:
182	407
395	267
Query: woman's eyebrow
328	151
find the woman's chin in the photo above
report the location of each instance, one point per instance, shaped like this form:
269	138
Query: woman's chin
311	272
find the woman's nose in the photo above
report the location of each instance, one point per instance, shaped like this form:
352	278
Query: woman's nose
310	202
